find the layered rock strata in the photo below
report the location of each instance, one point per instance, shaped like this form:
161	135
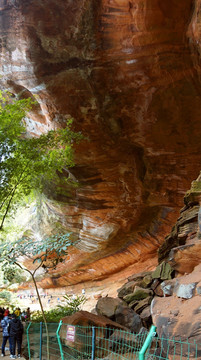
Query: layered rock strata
128	73
182	247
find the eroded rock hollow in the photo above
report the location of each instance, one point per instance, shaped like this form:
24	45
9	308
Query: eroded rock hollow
128	72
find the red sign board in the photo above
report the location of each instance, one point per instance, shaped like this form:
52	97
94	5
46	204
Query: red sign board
70	333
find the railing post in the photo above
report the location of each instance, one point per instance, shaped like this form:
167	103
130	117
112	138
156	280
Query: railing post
147	342
41	339
59	340
28	344
93	343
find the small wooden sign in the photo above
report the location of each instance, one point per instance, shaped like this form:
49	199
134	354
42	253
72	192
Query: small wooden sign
70	333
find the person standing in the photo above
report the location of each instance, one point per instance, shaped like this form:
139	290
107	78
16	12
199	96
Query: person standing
28	314
1	313
6	312
17	312
5	324
16	330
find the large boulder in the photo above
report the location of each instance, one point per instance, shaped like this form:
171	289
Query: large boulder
138	294
185	291
146	317
178	319
85	318
163	271
139	276
121	342
179	315
184	258
106	306
143	280
128	288
142	304
129	318
105	328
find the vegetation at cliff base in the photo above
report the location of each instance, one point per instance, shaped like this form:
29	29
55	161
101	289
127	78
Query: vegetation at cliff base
69	306
28	162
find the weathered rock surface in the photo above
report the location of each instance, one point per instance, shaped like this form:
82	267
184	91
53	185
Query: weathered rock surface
129	73
182	247
107	306
163	271
105	328
85	318
179	315
146	317
175	309
117	339
138	294
127	289
129	318
142	305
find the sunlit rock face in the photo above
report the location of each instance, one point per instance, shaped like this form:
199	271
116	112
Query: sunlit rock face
128	72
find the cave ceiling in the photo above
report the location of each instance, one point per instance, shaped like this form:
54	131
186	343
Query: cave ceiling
128	73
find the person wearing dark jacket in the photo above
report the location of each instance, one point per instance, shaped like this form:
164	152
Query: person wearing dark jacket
15	331
5	324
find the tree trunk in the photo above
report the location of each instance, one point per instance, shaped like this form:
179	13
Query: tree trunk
43	314
40	302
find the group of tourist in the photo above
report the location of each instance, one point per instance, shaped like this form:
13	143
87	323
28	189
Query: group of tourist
13	328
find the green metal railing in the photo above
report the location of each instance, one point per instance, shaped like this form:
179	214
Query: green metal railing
68	342
35	342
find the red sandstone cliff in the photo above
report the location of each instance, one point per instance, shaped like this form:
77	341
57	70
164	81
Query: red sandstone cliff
128	72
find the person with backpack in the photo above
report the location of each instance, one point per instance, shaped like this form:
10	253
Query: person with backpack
5	325
15	330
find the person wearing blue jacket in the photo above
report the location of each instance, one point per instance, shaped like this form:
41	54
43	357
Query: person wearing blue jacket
4	324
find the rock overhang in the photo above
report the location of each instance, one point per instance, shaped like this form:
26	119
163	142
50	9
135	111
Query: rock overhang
128	76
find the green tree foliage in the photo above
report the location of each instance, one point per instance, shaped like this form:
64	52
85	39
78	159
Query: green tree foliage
73	303
9	273
13	274
6	296
26	163
46	253
70	306
8	299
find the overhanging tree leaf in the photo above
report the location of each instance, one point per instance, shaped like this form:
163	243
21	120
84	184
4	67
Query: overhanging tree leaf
12	253
27	163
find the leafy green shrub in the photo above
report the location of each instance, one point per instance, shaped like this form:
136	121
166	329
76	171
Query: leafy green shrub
13	275
5	295
55	315
7	298
73	303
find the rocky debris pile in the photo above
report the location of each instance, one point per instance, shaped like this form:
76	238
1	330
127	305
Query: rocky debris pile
171	303
132	308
